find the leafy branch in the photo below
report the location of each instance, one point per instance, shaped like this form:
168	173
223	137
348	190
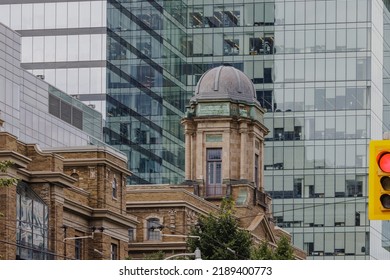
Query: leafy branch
6	181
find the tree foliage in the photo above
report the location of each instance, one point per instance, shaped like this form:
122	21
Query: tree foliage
6	181
283	251
159	255
262	252
220	236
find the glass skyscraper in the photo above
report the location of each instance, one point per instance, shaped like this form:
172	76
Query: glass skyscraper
320	68
146	87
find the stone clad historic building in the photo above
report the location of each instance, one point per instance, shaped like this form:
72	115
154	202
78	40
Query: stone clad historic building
68	203
224	140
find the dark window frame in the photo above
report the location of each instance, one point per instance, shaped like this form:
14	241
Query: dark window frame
114	251
78	249
114	188
214	171
153	228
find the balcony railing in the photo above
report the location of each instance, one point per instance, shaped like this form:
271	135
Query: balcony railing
215	190
261	198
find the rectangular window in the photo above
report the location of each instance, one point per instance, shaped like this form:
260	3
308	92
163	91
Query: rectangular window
154	229
354	188
77	118
257	170
114	188
31	225
214	172
297	188
54	105
66	112
78	249
114	251
265	97
131	234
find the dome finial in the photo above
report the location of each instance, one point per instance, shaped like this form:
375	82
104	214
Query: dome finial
225	83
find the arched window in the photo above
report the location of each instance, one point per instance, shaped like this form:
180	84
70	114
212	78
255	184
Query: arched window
154	229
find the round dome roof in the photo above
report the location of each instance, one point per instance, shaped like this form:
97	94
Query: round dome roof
225	82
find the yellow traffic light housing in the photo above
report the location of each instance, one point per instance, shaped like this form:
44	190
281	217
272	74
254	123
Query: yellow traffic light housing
379	180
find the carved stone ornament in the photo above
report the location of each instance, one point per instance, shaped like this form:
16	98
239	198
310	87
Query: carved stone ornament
92	172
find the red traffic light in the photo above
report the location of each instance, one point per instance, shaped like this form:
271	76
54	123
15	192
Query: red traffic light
384	162
379	180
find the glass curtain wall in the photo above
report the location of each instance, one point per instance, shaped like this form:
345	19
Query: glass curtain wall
311	65
146	87
319	121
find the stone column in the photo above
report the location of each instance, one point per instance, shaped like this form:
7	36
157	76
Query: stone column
243	158
56	219
8	223
200	153
188	154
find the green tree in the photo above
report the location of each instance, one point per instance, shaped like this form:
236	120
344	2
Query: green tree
262	252
6	181
160	255
220	236
283	251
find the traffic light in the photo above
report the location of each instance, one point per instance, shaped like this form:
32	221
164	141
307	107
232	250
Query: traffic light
379	180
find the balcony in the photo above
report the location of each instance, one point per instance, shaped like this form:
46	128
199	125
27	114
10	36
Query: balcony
217	191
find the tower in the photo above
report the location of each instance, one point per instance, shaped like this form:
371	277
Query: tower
224	142
224	134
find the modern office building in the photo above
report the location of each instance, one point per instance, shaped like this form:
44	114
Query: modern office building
59	159
35	111
320	68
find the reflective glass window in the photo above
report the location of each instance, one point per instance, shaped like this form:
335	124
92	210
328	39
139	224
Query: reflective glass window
330	11
50	43
320	11
96	11
84	47
341	10
153	229
38	49
5	14
62	15
351	10
61	47
85	14
214	172
50	15
73	15
310	11
39	16
31	225
27	16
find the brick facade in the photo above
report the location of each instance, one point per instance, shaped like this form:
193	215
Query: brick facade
76	184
